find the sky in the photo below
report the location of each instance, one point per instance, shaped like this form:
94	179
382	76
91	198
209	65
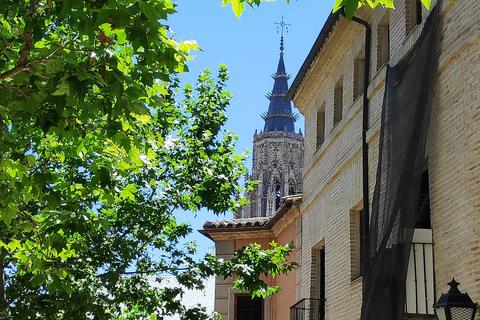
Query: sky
249	46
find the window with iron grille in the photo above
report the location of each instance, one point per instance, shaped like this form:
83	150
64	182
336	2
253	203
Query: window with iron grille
248	308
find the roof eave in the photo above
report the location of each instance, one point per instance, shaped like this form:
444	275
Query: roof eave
317	46
287	204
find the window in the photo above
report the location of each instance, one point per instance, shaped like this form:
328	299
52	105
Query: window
291	187
358	74
318	284
320	125
356	243
423	208
338	101
278	194
313	308
420	294
383	42
413	14
248	308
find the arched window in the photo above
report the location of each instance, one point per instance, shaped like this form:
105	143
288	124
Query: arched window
278	194
291	187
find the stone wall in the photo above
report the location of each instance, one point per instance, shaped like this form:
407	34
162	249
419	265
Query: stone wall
277	157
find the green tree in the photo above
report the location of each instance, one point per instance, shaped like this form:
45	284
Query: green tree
350	6
97	151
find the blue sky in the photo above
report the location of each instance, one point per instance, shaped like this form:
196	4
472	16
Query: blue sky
250	48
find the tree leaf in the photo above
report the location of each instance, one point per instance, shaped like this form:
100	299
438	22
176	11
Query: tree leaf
62	89
427	3
129	192
338	5
389	4
351	7
238	7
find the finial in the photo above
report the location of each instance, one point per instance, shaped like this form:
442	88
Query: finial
282	25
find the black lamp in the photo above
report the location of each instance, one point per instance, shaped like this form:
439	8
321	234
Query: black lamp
455	305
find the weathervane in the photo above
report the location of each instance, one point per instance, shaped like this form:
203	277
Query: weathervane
285	26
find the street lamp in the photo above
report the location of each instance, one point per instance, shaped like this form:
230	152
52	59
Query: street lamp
455	305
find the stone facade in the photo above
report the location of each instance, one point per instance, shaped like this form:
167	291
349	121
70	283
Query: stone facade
277	163
332	178
277	153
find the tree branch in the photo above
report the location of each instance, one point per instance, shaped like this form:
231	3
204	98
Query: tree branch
144	272
153	189
93	4
4	310
119	269
25	53
24	65
32	6
13	72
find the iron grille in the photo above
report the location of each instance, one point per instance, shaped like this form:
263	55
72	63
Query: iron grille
308	309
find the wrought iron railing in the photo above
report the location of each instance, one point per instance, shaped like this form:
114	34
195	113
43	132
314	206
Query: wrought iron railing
420	295
308	309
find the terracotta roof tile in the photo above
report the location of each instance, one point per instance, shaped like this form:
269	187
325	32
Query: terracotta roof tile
237	223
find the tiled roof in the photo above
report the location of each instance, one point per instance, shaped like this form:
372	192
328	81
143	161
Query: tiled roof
237	223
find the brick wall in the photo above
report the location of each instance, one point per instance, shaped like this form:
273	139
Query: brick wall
454	151
332	172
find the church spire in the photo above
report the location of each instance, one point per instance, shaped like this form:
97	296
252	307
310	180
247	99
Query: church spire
285	26
279	116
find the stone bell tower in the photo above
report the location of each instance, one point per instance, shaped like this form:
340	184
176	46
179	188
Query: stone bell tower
277	151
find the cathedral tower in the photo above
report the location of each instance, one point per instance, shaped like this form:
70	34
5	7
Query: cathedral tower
277	151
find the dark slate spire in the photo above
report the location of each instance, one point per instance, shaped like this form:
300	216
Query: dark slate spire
279	116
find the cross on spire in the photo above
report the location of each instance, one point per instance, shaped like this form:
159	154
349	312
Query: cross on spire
285	26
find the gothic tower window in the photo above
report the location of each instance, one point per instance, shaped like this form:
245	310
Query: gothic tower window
291	190
278	194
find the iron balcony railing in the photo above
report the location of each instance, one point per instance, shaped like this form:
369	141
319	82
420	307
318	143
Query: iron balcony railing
308	309
420	295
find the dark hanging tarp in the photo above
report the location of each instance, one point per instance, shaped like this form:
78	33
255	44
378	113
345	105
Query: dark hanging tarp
405	117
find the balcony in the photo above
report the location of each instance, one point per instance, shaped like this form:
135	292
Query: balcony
308	309
420	295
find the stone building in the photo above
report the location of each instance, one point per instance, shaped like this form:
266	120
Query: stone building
416	218
277	152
